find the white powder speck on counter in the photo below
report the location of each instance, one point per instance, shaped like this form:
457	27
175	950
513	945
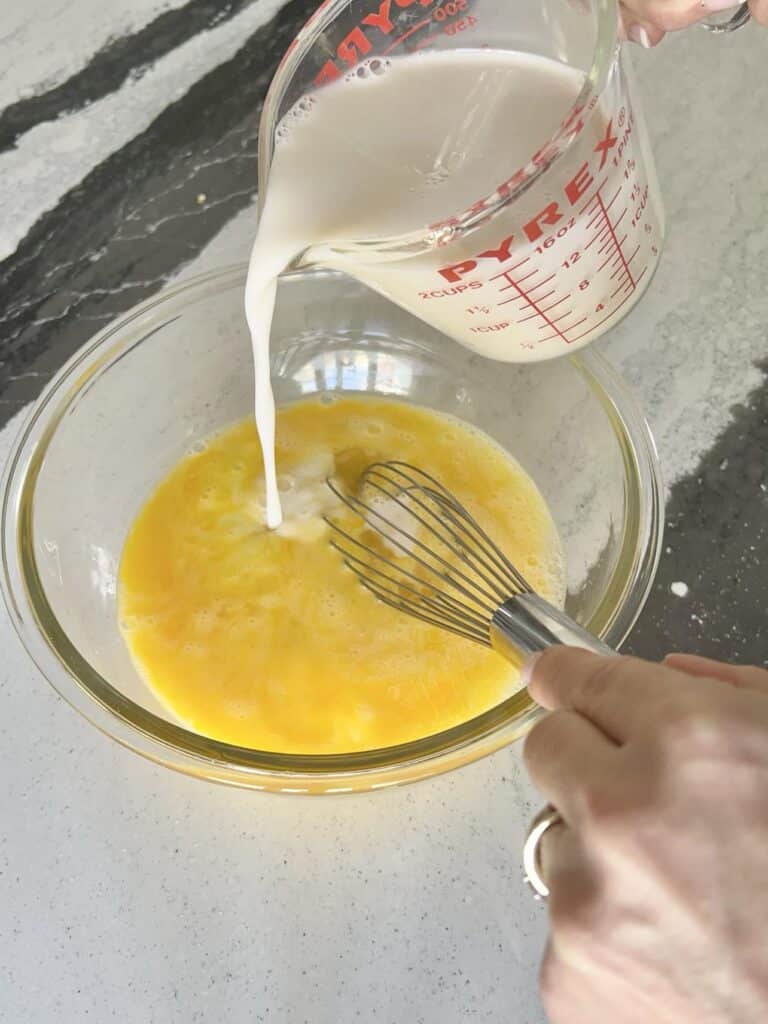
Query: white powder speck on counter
679	589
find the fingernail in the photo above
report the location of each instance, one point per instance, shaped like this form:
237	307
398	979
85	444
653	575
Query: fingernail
639	35
528	666
717	5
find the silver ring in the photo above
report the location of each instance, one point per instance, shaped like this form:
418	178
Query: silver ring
546	818
738	19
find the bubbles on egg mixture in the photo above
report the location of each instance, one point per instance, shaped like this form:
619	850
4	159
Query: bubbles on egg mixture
204	620
331	604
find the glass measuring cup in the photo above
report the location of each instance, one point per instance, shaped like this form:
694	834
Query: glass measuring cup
531	266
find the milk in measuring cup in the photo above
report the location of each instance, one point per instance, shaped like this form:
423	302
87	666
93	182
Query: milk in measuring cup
408	143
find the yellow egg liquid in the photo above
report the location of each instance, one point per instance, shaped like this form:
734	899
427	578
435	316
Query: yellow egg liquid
263	638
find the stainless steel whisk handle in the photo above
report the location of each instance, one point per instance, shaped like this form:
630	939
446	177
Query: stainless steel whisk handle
527	624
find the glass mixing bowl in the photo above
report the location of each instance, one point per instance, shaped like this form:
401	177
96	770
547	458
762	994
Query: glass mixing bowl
151	386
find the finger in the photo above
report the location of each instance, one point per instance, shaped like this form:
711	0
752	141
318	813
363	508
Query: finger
564	994
645	35
573	880
637	29
743	677
568	758
619	695
759	11
671	15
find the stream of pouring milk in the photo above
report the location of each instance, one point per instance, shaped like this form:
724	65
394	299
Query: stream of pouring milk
395	146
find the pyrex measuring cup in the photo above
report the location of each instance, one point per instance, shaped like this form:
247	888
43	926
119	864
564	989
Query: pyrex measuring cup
537	264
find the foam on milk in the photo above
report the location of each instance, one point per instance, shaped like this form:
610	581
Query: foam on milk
395	146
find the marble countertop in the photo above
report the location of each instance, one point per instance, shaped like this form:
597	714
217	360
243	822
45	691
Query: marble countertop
127	158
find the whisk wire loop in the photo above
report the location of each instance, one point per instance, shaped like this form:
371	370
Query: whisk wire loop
405	542
443	523
437	530
453	576
395	591
490	558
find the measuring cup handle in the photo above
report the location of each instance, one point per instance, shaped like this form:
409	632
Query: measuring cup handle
527	624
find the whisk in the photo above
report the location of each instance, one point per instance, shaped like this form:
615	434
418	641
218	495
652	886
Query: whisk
418	549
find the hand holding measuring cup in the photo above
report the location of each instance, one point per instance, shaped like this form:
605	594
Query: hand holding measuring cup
646	22
656	869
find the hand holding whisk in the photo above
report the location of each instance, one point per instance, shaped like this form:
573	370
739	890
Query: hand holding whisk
418	549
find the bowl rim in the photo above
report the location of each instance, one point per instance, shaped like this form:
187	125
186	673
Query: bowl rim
175	746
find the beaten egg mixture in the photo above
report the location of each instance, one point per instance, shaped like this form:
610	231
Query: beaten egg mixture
263	638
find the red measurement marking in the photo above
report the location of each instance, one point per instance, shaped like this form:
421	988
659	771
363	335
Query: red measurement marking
596	238
578	324
606	262
509	270
612	230
637	250
423	42
545	281
533	304
530	274
558	302
599	323
558	319
609	243
607	142
407	35
592	198
615	197
621	218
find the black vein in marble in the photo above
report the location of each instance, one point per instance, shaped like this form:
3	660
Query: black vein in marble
717	536
138	217
128	56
